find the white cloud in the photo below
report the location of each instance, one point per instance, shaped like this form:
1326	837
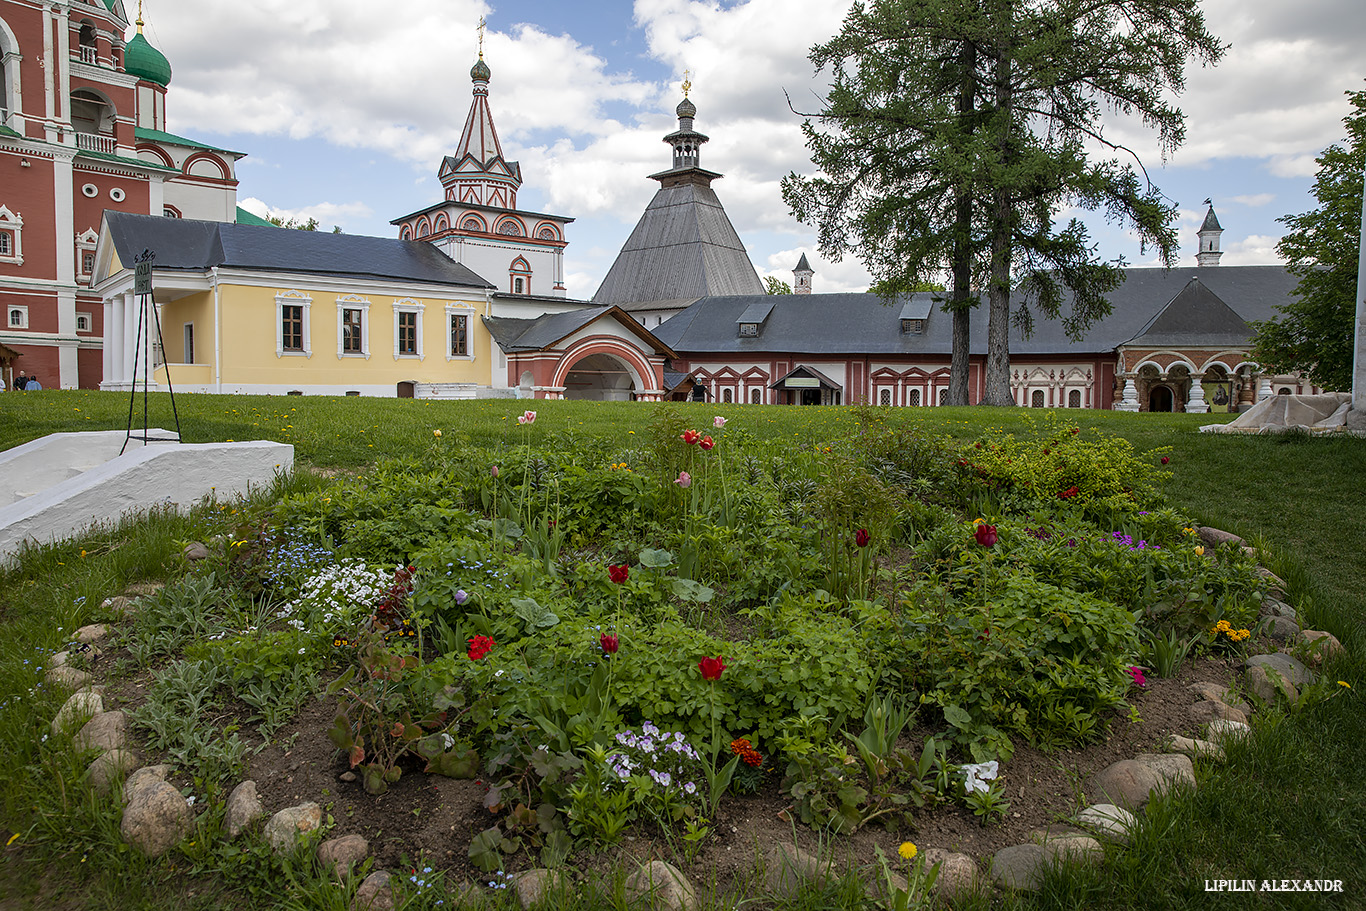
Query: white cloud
328	214
1256	200
830	278
1253	250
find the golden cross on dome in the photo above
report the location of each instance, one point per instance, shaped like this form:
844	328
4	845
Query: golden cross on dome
687	84
481	36
139	20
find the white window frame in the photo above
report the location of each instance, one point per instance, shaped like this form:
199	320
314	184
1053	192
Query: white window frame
467	311
23	318
353	302
408	305
12	224
293	299
187	343
85	244
86	318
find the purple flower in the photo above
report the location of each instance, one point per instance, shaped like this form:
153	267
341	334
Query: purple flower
461	596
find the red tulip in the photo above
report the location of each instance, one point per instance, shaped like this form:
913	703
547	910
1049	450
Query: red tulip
618	572
1165	460
706	443
690	437
609	643
711	668
985	535
861	537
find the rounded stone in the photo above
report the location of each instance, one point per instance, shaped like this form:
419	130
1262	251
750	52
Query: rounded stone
1214	536
958	875
376	893
68	678
1131	782
156	818
94	632
1108	821
1197	749
105	731
1223	731
1270	685
1319	645
1076	848
76	711
1209	710
285	827
663	886
788	870
535	886
196	551
243	808
119	605
108	768
1282	629
1019	866
1286	665
341	854
1275	607
159	772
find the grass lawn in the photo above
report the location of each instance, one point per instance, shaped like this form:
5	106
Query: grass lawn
1288	804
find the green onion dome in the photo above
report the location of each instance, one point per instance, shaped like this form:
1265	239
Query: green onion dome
480	71
146	62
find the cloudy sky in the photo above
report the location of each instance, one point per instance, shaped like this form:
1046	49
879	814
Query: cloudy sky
345	108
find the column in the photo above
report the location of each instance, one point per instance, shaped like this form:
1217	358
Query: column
1130	402
130	331
1195	403
1264	388
106	361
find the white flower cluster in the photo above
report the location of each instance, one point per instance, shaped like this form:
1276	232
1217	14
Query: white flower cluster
339	592
976	776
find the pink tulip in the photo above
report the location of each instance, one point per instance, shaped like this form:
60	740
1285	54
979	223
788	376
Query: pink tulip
718	422
684	480
528	417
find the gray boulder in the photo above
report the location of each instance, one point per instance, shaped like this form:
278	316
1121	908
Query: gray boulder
159	772
535	886
341	854
1223	731
1107	821
1131	782
1197	749
76	711
788	869
1209	710
1270	685
1214	537
93	632
1282	629
958	875
376	893
243	808
196	551
663	885
1019	866
1320	646
156	818
285	827
107	769
105	731
1284	664
67	678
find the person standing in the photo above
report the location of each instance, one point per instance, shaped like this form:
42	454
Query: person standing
20	382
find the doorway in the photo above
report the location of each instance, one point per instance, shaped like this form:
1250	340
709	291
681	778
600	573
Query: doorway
1160	399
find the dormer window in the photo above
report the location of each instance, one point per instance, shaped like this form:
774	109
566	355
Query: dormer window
753	317
913	326
914	313
749	330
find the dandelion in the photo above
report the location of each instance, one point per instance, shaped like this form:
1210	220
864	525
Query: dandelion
1344	683
908	850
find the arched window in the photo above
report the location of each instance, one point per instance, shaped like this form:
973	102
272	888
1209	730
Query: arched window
1074	399
441	224
423	229
546	232
510	227
1036	399
472	223
943	397
728	395
406	233
519	275
884	397
915	398
756	396
86	40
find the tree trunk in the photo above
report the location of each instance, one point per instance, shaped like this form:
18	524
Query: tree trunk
961	265
1001	222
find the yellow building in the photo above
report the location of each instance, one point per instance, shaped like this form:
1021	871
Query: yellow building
268	310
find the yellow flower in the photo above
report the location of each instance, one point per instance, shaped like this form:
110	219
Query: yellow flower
436	433
907	850
1199	550
1344	683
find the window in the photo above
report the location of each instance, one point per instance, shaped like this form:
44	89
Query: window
351	320
1074	399
943	397
1036	399
519	274
292	327
460	335
884	397
756	396
517	285
749	330
82	322
472	223
18	317
408	328
292	324
11	237
915	398
407	333
189	343
510	228
913	326
87	263
728	395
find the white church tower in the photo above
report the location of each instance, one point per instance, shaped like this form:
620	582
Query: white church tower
1209	239
478	223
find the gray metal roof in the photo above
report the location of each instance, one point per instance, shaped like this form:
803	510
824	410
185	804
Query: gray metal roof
513	334
192	245
1211	222
683	246
868	324
802	265
1196	317
758	311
